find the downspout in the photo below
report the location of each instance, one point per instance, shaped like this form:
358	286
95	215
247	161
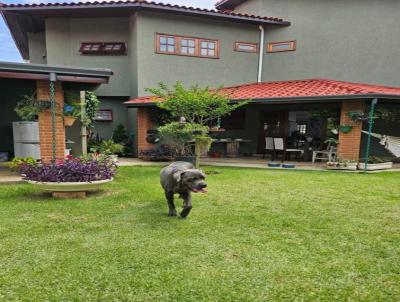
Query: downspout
370	126
53	79
261	54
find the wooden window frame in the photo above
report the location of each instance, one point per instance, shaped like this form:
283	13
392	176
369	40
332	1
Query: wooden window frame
237	43
103	120
291	44
179	38
102	51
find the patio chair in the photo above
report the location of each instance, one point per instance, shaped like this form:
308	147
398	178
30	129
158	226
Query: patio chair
269	146
279	145
327	155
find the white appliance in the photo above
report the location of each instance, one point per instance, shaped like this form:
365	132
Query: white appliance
26	139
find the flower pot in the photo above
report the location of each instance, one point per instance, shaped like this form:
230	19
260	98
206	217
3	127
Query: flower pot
69	121
70	189
345	128
339	166
374	167
189	159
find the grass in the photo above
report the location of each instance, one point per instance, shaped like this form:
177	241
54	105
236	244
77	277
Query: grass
259	235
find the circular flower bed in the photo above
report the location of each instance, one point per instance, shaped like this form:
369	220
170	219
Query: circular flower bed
70	175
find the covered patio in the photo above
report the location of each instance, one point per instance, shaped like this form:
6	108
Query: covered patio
303	120
46	84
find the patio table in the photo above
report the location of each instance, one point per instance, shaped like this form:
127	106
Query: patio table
232	145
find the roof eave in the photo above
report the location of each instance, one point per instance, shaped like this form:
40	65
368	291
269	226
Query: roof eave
292	100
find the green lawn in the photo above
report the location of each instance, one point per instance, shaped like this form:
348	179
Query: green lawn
259	235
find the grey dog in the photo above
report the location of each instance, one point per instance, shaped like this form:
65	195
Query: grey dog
182	178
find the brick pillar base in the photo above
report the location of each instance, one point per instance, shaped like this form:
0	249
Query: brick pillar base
45	133
143	125
349	143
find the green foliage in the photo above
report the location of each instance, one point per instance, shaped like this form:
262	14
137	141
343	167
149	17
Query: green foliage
28	108
92	105
17	162
178	135
109	147
120	135
160	116
198	105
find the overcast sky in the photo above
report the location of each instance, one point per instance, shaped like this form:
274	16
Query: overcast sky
8	51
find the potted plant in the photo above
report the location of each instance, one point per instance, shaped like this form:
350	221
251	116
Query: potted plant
181	137
195	108
342	164
71	114
345	128
71	177
111	149
375	163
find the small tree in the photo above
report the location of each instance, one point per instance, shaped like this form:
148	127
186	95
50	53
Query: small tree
199	106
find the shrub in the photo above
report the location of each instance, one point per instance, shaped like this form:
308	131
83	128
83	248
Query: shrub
70	170
18	162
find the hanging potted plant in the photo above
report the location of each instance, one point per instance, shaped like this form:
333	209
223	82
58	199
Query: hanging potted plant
71	114
345	128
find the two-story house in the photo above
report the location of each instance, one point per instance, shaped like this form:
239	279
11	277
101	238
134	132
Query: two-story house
240	42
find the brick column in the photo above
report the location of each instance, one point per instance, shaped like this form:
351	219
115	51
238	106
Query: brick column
349	143
43	93
143	125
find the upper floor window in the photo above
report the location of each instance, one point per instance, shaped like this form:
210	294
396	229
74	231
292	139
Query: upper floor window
103	48
187	46
246	47
281	46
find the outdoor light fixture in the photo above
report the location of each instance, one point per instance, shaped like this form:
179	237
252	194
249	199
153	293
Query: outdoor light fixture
182	120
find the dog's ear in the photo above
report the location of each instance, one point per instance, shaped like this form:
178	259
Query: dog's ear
202	174
178	175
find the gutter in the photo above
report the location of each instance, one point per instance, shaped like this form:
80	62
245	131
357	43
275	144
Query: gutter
298	100
261	54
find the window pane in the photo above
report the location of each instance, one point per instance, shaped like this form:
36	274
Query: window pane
203	52
171	41
246	47
211	45
163	47
184	42
191	51
117	47
204	44
211	52
163	40
171	48
191	43
184	49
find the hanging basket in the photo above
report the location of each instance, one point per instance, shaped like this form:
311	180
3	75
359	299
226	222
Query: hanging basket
345	128
69	121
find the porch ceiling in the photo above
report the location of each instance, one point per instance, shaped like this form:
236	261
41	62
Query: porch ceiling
312	90
11	70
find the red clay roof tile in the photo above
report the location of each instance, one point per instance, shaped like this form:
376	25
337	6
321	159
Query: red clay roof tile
291	89
148	4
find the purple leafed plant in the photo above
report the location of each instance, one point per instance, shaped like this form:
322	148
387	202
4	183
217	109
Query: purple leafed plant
70	170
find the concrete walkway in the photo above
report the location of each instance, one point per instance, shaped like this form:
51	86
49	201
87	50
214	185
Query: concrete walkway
7	176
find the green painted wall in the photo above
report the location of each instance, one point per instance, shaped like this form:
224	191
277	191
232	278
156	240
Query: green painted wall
11	91
37	47
64	37
232	67
105	129
354	40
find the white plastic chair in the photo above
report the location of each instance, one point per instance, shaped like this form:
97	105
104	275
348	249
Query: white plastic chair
327	155
269	145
